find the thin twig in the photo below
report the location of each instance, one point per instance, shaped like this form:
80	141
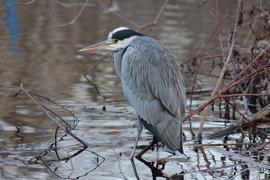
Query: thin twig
46	111
90	69
18	4
233	83
50	28
154	23
224	68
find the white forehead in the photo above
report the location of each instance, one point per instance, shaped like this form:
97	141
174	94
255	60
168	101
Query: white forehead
115	30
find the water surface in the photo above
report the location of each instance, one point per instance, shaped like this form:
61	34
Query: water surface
47	63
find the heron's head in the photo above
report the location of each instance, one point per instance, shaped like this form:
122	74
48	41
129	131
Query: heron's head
117	39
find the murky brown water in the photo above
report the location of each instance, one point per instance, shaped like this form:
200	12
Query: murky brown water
48	64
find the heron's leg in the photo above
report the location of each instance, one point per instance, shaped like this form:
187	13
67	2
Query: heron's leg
139	131
154	141
134	168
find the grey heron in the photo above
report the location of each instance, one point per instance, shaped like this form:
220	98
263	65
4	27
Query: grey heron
152	84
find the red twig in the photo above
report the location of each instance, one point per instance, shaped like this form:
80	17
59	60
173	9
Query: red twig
233	83
157	17
225	64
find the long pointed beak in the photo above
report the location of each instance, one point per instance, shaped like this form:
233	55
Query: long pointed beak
102	45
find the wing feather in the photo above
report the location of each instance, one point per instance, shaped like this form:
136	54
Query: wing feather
153	85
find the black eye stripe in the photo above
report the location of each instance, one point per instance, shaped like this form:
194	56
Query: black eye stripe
126	33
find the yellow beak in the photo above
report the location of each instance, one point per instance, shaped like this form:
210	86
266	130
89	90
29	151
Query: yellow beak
102	45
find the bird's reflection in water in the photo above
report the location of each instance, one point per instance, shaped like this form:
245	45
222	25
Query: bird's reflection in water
156	169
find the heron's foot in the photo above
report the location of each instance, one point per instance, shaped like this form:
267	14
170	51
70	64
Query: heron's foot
154	142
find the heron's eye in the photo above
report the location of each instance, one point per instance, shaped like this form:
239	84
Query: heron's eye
115	40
